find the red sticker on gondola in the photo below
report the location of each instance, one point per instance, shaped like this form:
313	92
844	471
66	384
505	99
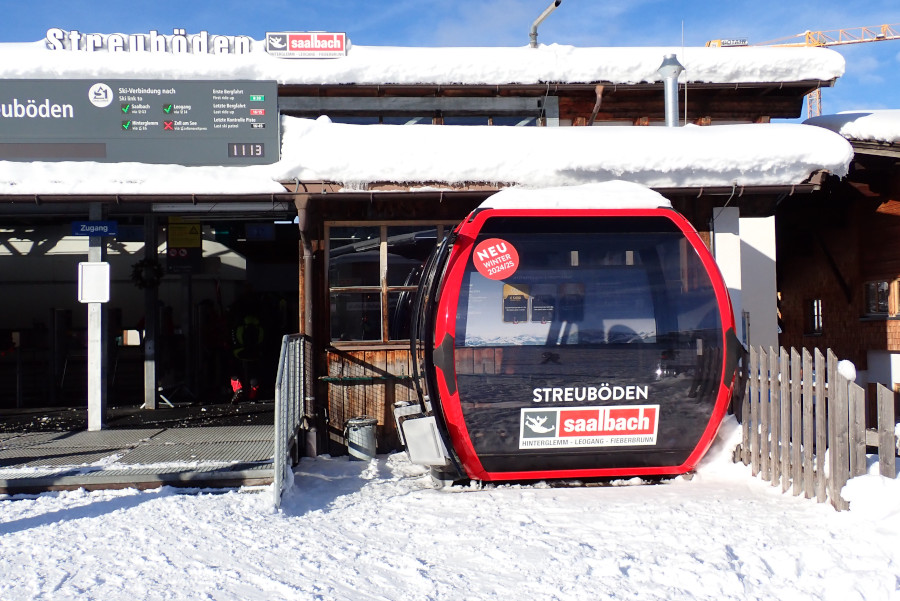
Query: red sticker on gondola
496	259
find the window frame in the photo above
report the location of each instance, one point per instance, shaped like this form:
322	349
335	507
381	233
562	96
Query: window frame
893	294
544	110
813	317
382	289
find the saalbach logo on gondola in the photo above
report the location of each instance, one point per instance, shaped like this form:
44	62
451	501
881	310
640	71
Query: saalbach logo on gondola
622	425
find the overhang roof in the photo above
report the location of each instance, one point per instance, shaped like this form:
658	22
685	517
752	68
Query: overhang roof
869	128
357	156
723	83
369	65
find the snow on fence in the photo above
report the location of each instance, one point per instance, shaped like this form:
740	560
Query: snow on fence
804	424
291	385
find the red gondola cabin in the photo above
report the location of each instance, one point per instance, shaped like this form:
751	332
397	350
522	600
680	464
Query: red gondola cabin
570	333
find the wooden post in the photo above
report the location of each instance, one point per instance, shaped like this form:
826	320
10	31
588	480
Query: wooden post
786	442
774	417
821	408
796	415
764	415
857	400
808	430
753	379
745	412
839	443
887	444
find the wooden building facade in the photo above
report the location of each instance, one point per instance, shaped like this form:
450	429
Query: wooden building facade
360	249
360	241
839	266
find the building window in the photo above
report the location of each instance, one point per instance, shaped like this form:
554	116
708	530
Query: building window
411	120
467	120
813	318
540	111
373	272
514	120
510	121
880	297
356	120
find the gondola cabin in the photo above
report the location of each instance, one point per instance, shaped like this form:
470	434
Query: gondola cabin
570	333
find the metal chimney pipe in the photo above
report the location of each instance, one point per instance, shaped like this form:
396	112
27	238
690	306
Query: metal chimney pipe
670	69
538	21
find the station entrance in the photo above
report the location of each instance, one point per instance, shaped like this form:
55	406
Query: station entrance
221	298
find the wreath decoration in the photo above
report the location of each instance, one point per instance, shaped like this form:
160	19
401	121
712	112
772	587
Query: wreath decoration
146	273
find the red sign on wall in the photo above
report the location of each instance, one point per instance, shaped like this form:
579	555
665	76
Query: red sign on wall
312	44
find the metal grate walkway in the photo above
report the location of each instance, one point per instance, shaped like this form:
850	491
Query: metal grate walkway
223	456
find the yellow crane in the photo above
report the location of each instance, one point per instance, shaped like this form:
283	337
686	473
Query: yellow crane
839	37
834	37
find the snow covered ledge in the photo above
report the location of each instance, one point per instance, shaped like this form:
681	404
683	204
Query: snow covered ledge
357	155
682	157
881	125
374	65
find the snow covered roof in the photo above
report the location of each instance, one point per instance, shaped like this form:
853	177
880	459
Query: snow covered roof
692	156
404	65
606	195
863	125
357	155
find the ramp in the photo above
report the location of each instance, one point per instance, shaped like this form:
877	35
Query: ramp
211	457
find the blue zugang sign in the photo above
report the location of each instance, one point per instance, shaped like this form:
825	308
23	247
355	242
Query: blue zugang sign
95	228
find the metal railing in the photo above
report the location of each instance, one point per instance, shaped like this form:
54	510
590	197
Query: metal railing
293	413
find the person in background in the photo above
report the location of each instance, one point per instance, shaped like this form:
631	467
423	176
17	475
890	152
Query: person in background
247	337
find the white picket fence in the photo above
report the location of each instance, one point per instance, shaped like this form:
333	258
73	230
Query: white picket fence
804	424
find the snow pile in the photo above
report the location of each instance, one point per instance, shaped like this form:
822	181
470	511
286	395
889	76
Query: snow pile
876	497
865	126
608	195
847	369
659	157
379	530
690	156
438	66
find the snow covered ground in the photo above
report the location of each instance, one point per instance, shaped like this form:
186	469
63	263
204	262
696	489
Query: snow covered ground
379	530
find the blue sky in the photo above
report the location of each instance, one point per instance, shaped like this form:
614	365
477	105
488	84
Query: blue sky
872	79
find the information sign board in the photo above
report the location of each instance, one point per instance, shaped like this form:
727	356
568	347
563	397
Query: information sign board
146	121
93	282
